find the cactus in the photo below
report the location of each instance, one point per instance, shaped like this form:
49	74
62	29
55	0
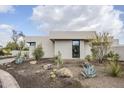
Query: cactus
20	59
88	71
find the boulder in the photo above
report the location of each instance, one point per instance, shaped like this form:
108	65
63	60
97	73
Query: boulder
64	72
48	66
33	62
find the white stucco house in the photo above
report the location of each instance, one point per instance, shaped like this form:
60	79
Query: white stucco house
71	44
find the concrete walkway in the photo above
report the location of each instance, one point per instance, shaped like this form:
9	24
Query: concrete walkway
7	80
6	60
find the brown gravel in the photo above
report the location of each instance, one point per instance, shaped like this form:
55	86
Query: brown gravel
34	76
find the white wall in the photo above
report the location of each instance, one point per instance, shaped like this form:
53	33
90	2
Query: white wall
87	48
15	52
82	49
65	47
119	50
46	43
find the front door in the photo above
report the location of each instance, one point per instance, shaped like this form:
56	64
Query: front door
76	48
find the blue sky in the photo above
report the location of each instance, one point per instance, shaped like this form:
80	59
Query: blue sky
36	20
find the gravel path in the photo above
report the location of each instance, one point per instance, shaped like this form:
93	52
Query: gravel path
7	80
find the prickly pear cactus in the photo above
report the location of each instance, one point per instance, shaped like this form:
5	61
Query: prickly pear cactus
88	71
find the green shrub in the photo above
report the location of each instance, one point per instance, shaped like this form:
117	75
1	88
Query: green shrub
6	51
111	56
38	53
1	52
58	60
88	58
114	69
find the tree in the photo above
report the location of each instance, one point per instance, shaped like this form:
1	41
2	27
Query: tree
12	46
14	36
100	46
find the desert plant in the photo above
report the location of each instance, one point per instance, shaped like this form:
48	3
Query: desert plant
88	58
114	69
1	52
38	52
20	58
100	46
58	60
111	56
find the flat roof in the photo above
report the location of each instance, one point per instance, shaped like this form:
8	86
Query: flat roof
86	35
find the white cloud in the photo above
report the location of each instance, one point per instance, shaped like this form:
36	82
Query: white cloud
5	33
78	18
6	9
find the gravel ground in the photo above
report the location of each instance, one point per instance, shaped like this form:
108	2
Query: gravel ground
34	76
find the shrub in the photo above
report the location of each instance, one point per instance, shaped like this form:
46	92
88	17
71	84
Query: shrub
1	52
88	58
58	60
111	56
114	69
38	53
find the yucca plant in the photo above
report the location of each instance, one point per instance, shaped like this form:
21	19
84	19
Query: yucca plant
114	69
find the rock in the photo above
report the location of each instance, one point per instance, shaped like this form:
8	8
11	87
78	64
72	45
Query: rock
33	62
8	65
64	72
48	66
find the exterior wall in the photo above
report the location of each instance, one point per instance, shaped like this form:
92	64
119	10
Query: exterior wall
15	52
82	49
120	51
46	43
65	47
87	49
115	42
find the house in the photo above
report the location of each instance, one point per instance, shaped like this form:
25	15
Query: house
71	44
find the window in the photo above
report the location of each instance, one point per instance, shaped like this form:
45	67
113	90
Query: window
32	43
76	48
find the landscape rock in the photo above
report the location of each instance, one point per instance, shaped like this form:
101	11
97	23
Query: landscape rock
64	72
48	66
33	62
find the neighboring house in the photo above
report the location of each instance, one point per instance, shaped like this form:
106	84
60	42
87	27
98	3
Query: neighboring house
71	44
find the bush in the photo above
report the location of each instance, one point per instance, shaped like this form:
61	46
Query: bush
38	53
114	69
111	56
88	58
58	60
12	46
1	52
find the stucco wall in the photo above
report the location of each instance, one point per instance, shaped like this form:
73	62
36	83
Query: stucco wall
120	51
47	45
15	52
65	47
87	48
